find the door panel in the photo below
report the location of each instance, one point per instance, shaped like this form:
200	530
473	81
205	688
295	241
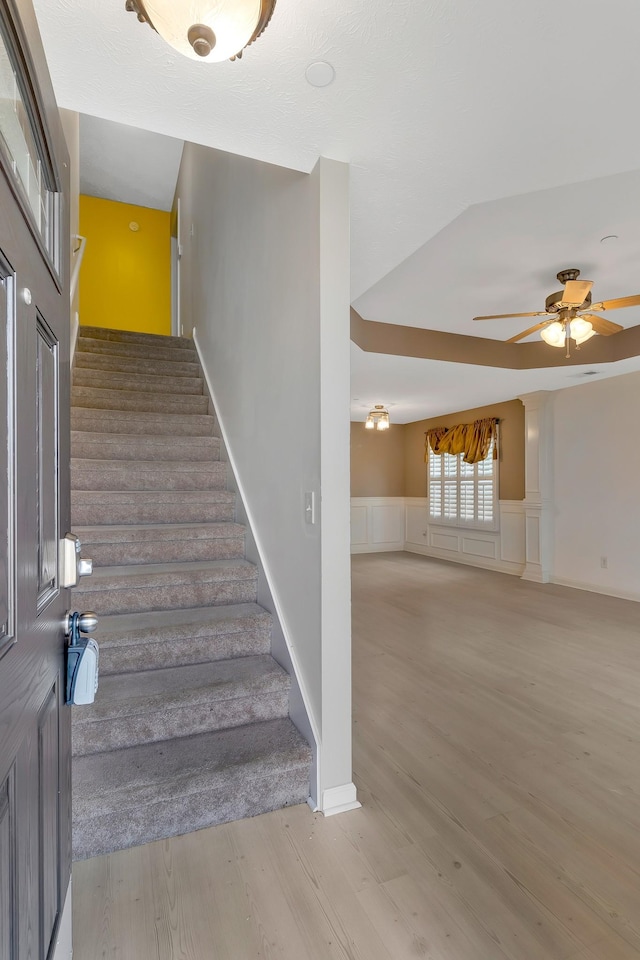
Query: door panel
47	455
48	761
7	870
6	458
35	742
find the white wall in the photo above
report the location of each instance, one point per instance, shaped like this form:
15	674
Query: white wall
264	284
596	459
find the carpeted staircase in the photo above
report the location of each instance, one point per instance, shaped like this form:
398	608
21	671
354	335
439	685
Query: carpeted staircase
190	726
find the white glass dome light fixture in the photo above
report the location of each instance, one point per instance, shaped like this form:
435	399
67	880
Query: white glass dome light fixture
378	418
557	333
581	330
209	30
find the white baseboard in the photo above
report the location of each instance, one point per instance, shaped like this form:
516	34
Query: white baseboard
499	566
63	949
376	547
339	800
596	588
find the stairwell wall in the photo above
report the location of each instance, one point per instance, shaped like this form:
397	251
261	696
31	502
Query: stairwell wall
264	291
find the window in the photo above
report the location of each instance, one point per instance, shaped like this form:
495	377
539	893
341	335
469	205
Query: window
463	494
22	152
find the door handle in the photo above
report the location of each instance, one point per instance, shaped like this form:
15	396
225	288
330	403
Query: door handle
86	622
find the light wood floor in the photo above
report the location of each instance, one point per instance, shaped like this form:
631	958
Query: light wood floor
497	756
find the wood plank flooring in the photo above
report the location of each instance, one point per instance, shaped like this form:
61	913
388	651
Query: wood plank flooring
497	757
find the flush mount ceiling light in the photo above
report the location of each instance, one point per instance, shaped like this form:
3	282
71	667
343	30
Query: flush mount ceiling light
378	418
211	30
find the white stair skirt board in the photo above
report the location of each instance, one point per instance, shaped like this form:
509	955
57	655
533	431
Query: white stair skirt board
63	949
339	800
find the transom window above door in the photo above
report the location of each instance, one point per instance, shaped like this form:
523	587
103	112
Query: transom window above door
22	155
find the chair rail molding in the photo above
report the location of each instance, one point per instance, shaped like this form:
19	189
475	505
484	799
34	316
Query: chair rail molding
538	501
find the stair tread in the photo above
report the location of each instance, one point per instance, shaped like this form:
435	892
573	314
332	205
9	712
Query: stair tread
136	694
145	416
123	533
156	465
156	626
92	436
142	774
155	574
132	336
115	348
167	384
114	393
99	497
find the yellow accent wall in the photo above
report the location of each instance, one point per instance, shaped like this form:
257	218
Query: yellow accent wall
125	280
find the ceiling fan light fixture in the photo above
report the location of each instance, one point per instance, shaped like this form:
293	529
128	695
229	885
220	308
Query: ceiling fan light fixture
554	334
209	30
581	330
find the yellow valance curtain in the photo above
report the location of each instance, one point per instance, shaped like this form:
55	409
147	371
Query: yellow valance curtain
471	439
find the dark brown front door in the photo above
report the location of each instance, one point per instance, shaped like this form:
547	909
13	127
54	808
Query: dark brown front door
34	496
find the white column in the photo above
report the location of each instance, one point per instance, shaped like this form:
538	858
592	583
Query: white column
538	500
336	789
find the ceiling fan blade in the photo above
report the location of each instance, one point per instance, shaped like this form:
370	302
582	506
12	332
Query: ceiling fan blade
526	333
576	292
604	327
617	304
511	316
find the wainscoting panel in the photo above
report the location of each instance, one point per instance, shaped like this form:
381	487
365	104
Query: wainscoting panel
402	523
479	548
377	524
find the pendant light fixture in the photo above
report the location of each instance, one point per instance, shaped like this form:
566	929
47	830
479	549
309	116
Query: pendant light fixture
211	30
378	418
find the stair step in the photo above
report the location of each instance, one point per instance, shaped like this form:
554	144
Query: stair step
128	797
115	446
141	383
135	365
132	336
147	475
140	423
152	705
171	638
167	586
145	351
162	543
92	398
151	506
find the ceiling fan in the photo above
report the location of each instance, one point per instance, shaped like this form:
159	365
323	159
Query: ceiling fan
567	314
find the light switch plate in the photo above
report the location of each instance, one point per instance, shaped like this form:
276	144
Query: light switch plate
310	507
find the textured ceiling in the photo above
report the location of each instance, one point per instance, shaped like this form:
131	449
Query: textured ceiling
127	164
437	105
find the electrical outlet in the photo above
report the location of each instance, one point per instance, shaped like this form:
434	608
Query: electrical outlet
604	563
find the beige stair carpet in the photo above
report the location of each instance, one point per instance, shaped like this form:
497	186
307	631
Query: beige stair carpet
190	726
